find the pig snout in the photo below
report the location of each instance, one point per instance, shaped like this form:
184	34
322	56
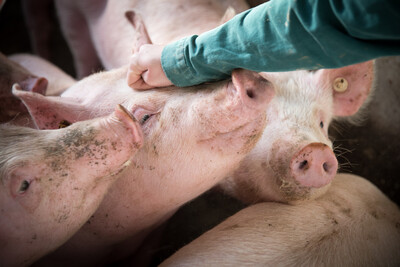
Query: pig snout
255	91
314	166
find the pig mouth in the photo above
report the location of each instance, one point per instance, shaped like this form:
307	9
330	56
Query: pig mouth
122	168
293	191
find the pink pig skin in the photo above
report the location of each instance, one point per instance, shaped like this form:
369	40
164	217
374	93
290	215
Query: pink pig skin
353	224
53	181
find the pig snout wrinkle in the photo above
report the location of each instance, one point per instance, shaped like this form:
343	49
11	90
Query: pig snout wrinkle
314	166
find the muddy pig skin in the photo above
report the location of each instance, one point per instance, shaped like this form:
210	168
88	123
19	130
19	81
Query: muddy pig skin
353	224
97	31
52	181
294	160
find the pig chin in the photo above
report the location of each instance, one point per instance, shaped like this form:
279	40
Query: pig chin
293	192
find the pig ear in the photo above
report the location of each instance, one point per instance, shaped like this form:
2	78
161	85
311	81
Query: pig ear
10	106
141	36
34	84
350	85
252	84
229	14
50	112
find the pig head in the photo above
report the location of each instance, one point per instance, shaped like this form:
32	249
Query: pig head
52	181
294	159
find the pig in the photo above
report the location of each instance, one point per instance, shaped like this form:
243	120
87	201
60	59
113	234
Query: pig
52	181
97	32
294	160
193	138
10	73
353	224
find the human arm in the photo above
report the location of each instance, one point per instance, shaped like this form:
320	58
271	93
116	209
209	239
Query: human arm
285	36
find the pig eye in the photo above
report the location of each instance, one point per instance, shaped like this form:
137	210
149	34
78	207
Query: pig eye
144	118
321	124
24	186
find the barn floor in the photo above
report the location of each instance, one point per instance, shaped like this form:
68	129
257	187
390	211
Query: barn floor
373	147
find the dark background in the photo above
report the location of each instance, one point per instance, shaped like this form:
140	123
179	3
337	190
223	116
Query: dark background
374	147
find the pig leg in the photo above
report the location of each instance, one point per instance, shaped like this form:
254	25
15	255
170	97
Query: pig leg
354	224
76	32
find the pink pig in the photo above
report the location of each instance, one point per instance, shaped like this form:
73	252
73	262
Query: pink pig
194	137
53	181
294	159
353	224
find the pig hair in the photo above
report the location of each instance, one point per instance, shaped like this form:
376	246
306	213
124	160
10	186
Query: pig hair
19	145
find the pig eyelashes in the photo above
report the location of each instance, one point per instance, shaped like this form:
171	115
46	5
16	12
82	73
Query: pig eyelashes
23	187
142	115
144	118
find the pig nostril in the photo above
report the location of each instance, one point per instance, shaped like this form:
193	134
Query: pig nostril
250	93
303	164
325	166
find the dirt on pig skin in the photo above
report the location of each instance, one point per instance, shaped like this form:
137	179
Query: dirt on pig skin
373	146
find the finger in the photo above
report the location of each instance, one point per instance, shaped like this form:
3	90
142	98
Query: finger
155	78
137	83
135	71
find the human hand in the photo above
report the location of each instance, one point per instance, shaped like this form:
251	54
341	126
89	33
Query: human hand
145	70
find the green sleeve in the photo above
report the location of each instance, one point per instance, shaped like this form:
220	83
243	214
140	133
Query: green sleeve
285	35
